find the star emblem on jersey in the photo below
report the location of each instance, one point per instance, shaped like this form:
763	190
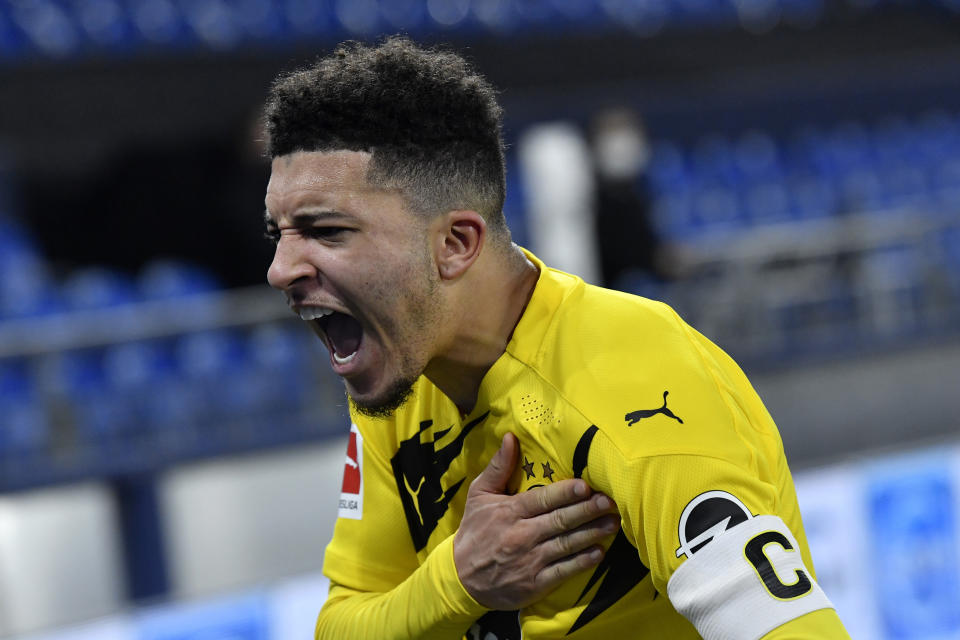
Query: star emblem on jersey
527	467
634	417
547	471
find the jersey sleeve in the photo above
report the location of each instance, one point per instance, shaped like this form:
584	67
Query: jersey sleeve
717	542
696	466
431	604
379	589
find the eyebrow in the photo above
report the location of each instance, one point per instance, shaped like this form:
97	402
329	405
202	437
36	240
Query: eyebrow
307	218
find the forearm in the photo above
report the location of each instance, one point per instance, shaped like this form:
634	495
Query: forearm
431	604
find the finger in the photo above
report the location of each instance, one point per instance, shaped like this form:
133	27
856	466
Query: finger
556	573
494	478
546	499
579	539
571	516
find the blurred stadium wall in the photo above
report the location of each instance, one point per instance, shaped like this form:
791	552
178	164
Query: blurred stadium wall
786	173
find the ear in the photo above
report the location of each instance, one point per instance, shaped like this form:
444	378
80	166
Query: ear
458	240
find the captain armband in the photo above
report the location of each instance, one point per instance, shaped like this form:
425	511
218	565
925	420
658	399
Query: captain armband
745	581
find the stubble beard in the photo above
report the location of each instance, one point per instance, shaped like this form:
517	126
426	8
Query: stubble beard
422	313
385	405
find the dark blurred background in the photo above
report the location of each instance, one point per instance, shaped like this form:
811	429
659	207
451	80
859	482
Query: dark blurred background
785	173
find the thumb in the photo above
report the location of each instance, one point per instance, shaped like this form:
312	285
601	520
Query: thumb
494	478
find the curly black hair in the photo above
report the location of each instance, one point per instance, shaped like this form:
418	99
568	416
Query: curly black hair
430	122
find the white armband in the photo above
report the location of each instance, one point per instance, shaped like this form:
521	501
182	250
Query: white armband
745	581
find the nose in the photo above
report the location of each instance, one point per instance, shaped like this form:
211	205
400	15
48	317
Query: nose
289	264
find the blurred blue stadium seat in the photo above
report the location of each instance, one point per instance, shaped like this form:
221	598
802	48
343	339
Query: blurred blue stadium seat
894	141
668	169
75	382
717	13
217	364
946	185
24	424
861	189
26	288
13	43
309	17
76	27
906	186
950	243
280	357
169	279
14	240
937	135
847	149
105	24
260	19
143	377
46	26
805	152
644	18
214	23
802	13
767	202
158	22
757	157
812	197
579	12
712	161
98	288
359	17
208	353
672	214
717	208
410	15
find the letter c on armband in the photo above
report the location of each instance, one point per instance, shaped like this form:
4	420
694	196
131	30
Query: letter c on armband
754	552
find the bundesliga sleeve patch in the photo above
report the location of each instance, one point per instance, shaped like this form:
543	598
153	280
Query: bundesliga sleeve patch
351	493
744	575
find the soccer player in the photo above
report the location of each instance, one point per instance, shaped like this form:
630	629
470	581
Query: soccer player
529	454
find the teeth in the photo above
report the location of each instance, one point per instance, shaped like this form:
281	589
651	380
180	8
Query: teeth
344	360
312	313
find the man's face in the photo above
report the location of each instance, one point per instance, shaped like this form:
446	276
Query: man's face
354	263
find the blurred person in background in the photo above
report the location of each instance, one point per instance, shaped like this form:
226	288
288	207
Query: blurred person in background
628	243
530	454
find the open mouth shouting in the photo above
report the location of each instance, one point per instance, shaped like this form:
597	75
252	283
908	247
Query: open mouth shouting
340	331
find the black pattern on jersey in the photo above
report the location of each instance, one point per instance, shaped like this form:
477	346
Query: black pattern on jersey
582	452
621	568
496	625
418	467
619	572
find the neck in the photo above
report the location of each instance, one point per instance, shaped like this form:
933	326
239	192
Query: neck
488	303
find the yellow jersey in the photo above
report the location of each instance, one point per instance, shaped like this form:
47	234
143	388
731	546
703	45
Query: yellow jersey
615	389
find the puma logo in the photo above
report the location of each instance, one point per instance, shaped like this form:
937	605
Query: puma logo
634	417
